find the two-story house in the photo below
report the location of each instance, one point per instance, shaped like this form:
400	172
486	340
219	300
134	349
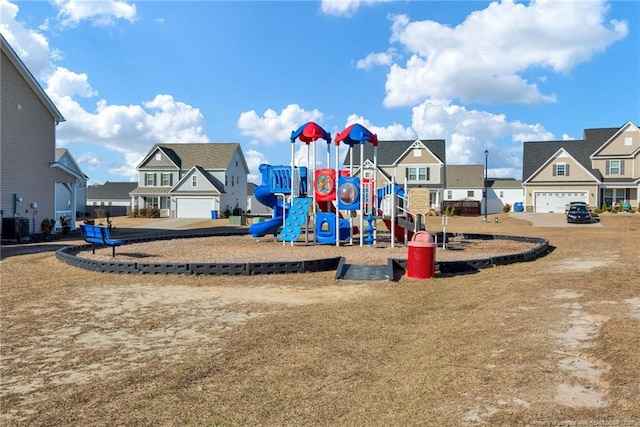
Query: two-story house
29	172
602	167
419	165
192	180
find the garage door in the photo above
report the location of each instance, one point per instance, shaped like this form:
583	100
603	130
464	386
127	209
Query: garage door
555	201
194	207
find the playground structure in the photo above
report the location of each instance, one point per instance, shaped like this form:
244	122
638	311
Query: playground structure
332	196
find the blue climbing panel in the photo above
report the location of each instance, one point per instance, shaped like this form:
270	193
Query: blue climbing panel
296	219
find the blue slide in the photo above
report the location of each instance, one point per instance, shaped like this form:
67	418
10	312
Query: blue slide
264	196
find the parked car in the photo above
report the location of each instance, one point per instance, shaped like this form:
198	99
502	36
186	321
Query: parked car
568	205
579	214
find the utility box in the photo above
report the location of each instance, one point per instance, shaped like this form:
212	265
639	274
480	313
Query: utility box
15	228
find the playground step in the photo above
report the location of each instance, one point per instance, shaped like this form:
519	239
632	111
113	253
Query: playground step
365	272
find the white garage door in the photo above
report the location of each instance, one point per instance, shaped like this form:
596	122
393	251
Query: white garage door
555	201
194	207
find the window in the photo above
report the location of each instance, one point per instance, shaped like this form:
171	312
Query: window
166	180
158	157
418	174
149	179
449	194
417	152
615	167
194	181
628	140
152	202
471	193
502	194
561	169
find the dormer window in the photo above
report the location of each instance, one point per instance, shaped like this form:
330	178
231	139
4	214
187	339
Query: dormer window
561	169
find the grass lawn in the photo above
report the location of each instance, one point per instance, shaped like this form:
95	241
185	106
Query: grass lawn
550	341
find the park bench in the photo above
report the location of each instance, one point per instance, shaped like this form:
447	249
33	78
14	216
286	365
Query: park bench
99	235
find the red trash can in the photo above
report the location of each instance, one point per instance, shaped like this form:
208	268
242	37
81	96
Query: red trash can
421	258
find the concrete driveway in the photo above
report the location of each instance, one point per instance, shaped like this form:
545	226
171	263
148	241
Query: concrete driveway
171	223
550	220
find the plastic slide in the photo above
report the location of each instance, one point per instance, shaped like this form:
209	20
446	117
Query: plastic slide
399	230
264	196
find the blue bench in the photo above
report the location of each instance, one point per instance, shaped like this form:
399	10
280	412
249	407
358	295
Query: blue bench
99	235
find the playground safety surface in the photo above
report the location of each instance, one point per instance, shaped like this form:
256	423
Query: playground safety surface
245	255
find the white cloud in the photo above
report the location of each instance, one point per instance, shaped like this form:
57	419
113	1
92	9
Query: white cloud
344	7
130	128
67	83
385	133
31	46
100	13
469	132
89	159
375	59
254	159
273	127
483	58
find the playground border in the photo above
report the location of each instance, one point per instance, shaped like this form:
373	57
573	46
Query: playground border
68	255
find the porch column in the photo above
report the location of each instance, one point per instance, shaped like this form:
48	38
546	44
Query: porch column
74	212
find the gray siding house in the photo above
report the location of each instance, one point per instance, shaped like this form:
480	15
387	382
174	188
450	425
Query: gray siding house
28	167
111	198
192	180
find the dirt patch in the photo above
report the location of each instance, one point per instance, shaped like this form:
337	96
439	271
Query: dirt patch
522	344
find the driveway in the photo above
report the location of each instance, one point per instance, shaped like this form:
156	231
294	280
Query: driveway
550	220
172	223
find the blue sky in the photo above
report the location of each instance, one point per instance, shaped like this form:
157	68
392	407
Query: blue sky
480	75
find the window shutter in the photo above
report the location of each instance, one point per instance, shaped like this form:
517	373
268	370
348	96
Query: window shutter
406	173
428	174
608	167
554	170
621	167
566	169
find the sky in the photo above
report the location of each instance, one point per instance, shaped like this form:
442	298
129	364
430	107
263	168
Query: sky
480	75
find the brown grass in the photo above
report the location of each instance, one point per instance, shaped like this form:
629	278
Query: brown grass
550	341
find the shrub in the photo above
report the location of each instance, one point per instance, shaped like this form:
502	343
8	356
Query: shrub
46	227
604	206
65	223
506	208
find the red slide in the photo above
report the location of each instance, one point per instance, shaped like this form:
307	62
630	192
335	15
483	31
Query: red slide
399	230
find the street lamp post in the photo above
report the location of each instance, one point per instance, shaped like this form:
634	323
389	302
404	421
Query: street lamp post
486	162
